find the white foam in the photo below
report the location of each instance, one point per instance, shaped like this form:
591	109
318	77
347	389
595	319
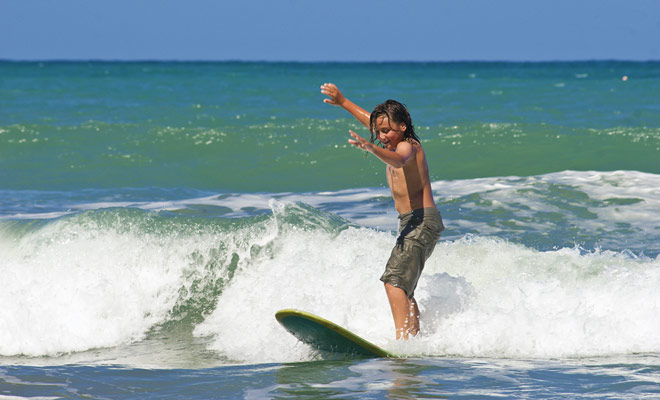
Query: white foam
71	287
525	303
74	285
479	298
336	277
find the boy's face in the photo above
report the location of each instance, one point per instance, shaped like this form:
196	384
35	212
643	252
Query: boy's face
389	134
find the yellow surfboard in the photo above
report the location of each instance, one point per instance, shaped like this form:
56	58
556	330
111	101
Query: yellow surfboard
324	335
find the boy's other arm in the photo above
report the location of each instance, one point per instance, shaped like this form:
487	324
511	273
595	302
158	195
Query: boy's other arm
397	159
338	99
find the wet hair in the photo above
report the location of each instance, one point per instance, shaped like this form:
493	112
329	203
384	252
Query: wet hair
397	113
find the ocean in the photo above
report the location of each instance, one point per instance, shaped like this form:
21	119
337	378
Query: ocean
155	215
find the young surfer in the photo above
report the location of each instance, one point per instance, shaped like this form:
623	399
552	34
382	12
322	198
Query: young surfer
407	173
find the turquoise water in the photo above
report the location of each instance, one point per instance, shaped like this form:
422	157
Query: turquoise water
107	125
154	216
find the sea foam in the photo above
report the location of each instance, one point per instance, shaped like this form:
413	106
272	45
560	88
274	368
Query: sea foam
100	277
479	297
106	277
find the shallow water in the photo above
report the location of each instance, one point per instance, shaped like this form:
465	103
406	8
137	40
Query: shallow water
622	378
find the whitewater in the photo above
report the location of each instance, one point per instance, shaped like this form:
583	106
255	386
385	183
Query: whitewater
103	274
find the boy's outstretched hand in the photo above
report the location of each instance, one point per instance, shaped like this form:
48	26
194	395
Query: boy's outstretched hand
360	142
331	90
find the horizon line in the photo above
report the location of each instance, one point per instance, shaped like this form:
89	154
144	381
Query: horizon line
155	60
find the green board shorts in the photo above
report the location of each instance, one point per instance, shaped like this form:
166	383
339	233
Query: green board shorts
419	231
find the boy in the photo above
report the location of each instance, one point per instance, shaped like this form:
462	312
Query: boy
407	173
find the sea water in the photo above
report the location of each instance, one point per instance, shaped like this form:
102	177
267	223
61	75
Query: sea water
154	216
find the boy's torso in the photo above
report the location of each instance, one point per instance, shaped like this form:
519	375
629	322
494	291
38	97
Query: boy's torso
410	185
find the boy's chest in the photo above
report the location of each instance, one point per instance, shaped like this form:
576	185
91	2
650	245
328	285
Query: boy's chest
396	180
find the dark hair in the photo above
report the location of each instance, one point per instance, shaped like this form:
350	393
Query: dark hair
395	112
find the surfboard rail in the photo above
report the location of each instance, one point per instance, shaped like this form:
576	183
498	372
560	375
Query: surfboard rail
325	335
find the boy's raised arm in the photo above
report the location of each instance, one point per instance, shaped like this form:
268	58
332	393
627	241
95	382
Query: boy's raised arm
397	159
336	98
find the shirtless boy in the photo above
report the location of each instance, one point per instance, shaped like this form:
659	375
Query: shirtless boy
407	173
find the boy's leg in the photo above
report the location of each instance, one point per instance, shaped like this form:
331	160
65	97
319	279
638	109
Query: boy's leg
404	312
413	316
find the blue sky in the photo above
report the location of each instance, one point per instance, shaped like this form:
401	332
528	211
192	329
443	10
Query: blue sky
322	30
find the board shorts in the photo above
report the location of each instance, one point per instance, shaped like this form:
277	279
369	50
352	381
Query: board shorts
419	231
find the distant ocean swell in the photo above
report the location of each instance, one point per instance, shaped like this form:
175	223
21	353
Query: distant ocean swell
105	155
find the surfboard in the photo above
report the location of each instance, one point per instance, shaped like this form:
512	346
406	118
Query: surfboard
325	335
